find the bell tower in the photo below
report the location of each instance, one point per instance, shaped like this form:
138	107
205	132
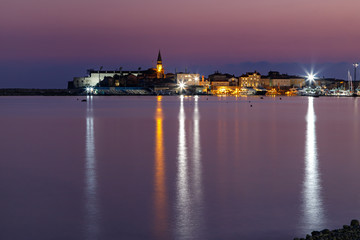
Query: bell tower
159	67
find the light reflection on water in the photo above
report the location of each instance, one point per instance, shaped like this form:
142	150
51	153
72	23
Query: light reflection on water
183	224
91	201
313	210
189	204
197	173
161	214
170	171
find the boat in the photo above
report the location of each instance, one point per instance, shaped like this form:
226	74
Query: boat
356	93
272	92
353	93
309	91
292	92
247	91
339	92
260	91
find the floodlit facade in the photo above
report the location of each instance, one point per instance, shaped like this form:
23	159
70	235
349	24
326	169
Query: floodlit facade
95	77
189	79
233	81
275	79
250	79
223	79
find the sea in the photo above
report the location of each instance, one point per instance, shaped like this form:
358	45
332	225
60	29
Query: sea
177	167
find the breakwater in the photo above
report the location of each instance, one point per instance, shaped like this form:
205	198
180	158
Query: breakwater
73	92
348	232
39	92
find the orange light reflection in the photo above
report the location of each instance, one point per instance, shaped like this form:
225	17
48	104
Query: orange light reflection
160	202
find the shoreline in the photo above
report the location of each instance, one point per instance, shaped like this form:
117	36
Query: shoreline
81	92
38	92
348	232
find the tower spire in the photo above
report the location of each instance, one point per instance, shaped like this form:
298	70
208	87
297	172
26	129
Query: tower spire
159	58
159	67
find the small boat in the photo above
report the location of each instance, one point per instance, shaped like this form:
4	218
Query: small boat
309	91
247	91
356	93
292	92
272	92
339	92
260	91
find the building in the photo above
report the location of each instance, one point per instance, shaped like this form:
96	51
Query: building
222	79
159	67
222	83
95	77
188	79
119	77
331	83
233	81
250	79
276	80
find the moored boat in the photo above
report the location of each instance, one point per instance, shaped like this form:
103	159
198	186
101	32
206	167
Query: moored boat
309	91
247	91
292	92
260	91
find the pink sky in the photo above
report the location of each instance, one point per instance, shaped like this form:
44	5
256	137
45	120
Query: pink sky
197	31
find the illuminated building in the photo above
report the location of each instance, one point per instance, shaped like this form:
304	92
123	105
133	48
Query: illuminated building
220	79
233	81
188	78
159	67
275	79
250	79
223	83
95	77
330	82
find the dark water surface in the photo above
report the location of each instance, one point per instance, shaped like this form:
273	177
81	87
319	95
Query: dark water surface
177	168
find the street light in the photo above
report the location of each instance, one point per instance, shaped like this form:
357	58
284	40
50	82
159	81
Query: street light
310	78
181	86
89	90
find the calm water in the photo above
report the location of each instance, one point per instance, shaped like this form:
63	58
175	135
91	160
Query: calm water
177	168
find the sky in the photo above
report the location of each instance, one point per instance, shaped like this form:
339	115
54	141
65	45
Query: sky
46	43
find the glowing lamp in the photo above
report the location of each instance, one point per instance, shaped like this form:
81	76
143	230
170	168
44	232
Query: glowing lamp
311	77
181	85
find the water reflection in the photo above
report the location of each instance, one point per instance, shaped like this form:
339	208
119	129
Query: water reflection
189	219
183	201
196	152
91	204
313	210
161	214
197	173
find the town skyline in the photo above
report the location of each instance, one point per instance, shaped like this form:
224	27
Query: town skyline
56	75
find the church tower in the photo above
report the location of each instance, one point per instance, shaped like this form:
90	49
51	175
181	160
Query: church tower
159	67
